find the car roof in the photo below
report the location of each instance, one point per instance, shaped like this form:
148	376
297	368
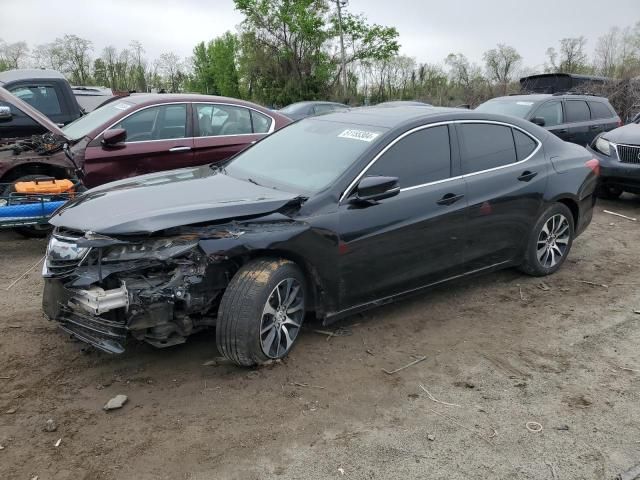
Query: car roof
28	73
539	97
393	117
152	98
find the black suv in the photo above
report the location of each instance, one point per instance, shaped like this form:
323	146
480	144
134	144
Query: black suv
45	90
574	118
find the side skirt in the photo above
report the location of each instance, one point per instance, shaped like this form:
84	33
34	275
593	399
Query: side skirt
332	317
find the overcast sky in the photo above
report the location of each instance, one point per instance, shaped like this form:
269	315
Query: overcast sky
429	29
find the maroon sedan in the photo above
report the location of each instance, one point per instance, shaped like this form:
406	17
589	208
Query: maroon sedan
138	134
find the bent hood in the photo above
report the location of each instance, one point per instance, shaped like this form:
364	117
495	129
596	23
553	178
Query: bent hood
629	134
35	115
158	201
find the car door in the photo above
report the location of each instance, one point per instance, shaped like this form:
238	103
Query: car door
553	116
505	171
578	117
158	138
412	239
222	130
602	117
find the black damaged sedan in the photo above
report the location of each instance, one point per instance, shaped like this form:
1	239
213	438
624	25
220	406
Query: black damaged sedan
330	216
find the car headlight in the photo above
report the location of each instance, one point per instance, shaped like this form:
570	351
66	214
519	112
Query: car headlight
159	249
603	146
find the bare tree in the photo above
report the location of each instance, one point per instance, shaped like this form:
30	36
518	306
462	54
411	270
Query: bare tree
14	54
607	53
501	63
169	64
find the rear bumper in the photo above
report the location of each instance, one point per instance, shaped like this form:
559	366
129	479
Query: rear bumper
614	173
68	308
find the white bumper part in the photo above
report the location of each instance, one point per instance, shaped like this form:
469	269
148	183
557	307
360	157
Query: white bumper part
97	301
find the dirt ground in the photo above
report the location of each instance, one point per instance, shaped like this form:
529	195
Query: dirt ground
506	349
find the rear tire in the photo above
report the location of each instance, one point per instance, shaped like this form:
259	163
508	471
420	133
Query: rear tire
550	241
610	193
261	312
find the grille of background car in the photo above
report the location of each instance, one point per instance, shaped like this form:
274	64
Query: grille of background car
629	153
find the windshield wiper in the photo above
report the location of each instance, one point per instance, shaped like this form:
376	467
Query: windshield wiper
253	181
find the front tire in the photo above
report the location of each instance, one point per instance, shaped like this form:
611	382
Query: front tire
549	242
261	312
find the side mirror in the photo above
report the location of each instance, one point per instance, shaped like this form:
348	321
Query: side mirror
5	114
113	137
377	188
538	121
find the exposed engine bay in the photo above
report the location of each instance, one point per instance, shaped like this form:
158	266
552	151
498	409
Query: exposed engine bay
45	144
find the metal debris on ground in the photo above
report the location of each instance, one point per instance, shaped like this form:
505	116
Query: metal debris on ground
431	397
593	284
306	385
116	402
50	425
543	286
633	219
25	274
534	427
57	444
391	372
339	332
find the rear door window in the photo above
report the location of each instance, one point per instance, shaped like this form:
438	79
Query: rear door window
218	120
485	146
261	123
551	112
421	157
599	110
577	111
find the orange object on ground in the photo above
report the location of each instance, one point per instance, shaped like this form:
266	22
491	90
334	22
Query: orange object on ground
49	187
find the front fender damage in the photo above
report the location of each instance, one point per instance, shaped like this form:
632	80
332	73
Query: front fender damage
157	300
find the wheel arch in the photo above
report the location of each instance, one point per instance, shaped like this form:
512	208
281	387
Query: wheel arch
573	206
34	168
316	287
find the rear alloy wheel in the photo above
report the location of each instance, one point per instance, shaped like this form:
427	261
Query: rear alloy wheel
261	312
549	242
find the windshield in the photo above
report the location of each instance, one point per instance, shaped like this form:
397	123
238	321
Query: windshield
84	125
305	157
293	108
513	107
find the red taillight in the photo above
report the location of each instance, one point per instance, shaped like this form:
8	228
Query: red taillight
594	166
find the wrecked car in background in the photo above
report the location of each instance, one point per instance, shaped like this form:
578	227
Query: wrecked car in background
136	135
331	215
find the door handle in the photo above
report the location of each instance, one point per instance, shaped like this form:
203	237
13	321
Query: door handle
180	149
449	198
595	127
527	176
562	130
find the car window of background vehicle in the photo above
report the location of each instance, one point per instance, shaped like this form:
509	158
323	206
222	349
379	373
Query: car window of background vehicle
551	112
87	123
219	120
600	110
261	123
421	157
43	98
485	146
515	108
304	157
577	111
156	123
17	114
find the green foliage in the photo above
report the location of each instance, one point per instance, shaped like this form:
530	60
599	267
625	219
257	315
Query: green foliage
214	66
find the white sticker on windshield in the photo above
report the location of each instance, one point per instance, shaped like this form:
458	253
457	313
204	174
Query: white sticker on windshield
528	104
122	106
362	135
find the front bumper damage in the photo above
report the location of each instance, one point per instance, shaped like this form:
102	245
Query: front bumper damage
157	300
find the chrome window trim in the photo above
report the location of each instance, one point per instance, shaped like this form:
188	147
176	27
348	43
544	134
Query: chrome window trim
349	189
271	128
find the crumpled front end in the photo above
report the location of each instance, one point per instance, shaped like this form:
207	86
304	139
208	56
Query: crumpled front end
102	290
